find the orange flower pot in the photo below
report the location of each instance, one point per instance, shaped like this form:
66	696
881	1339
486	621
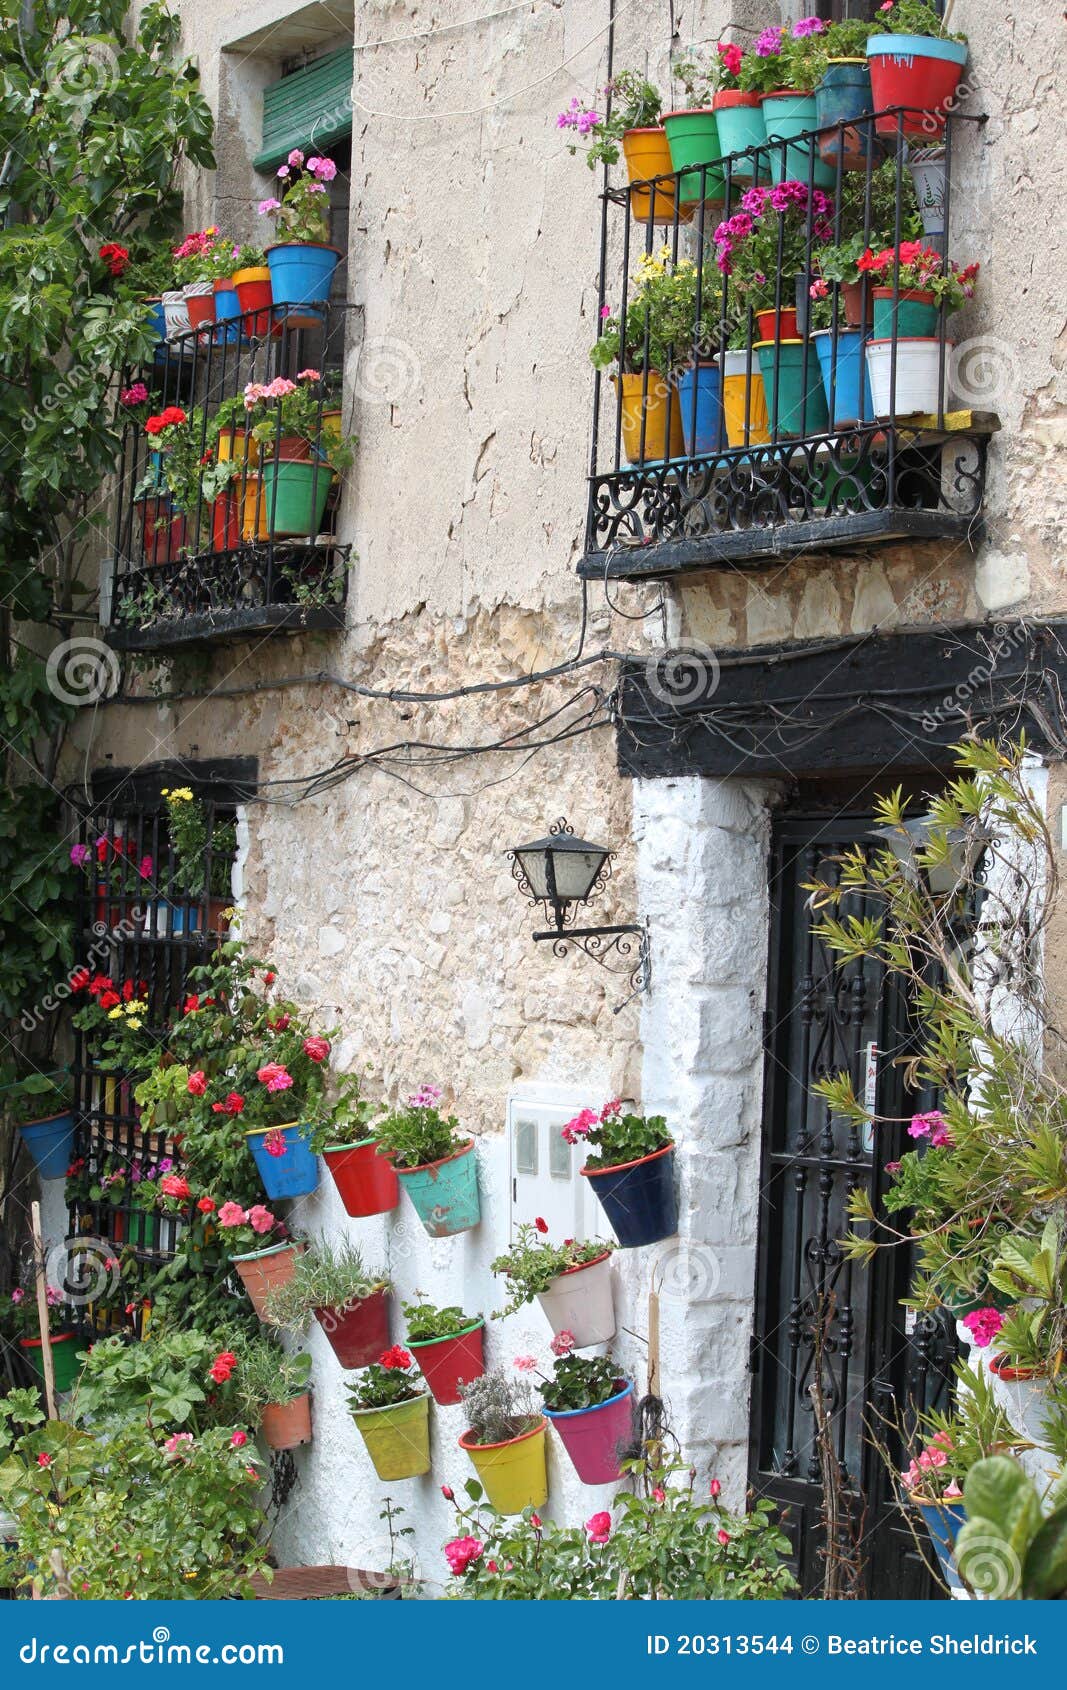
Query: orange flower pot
658	405
285	1425
263	1271
647	153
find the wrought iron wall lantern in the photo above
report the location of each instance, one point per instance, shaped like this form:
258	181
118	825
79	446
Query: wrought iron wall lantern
562	871
949	874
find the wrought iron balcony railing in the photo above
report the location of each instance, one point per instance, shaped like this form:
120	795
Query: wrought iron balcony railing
233	562
781	421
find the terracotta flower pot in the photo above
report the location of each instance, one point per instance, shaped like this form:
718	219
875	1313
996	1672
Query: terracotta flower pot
263	1271
286	1424
358	1332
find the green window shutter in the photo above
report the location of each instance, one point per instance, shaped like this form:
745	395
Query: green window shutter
312	108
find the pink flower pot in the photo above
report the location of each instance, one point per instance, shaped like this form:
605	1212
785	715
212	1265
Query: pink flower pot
593	1437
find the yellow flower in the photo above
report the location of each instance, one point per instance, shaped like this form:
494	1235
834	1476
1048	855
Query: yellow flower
116	1014
134	1023
180	794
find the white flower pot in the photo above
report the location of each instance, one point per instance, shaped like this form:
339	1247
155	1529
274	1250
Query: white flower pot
176	313
580	1302
917	366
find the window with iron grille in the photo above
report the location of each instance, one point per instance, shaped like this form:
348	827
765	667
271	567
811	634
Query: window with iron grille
148	916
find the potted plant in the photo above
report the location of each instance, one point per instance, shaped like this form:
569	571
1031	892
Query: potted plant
264	1257
843	94
366	1182
448	1346
643	353
738	120
591	1408
301	260
289	1085
187	825
789	108
22	1319
197	262
931	1485
571	1281
1032	1271
349	1301
434	1162
298	457
163	536
917	64
635	126
270	1390
146	280
506	1441
250	275
392	1413
694	330
692	131
631	1169
907	317
48	1136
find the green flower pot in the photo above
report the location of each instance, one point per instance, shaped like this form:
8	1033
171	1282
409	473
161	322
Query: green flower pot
739	123
916	315
693	138
68	1351
798	407
294	496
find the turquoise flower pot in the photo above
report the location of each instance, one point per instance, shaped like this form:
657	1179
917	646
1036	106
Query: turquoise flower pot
739	123
842	96
786	115
445	1193
797	404
292	1174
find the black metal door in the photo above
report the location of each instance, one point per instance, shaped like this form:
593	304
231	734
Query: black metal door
819	1316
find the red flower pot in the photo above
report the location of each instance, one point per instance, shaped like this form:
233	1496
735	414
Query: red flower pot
448	1363
161	539
766	322
201	309
225	523
358	1332
917	72
367	1182
253	289
287	1424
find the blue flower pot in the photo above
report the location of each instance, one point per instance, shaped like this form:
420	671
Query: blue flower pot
709	435
943	1522
843	95
445	1193
51	1144
850	401
292	1174
157	318
639	1198
227	315
301	273
169	919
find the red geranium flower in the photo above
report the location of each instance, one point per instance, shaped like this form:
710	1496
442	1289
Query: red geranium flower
316	1048
396	1357
108	1000
175	1186
541	1224
206	1205
115	257
197	1083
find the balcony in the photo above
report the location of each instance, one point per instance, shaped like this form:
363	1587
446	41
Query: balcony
209	540
755	420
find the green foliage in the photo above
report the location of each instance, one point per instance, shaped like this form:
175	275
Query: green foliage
663	1543
158	1381
417	1133
425	1322
913	17
264	1374
325	1276
663	330
636	104
129	1515
187	814
617	1135
1009	1546
580	1382
531	1263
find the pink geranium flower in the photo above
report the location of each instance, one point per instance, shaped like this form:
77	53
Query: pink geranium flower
232	1214
260	1218
274	1076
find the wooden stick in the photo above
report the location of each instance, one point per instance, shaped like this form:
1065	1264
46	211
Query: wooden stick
47	1366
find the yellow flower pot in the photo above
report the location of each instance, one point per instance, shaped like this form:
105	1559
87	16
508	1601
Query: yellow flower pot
647	153
254	510
743	396
237	443
513	1473
662	438
397	1437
